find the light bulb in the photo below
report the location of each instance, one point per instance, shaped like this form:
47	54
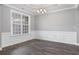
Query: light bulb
38	11
41	9
44	10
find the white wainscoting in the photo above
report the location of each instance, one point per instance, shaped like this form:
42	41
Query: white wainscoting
8	40
58	36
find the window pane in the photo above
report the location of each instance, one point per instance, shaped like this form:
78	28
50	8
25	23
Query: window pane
16	29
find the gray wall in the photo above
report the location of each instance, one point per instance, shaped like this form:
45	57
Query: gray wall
0	16
0	26
32	23
0	22
0	39
6	19
77	23
59	21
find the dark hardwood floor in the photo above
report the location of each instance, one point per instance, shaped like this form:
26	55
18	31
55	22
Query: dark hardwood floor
41	47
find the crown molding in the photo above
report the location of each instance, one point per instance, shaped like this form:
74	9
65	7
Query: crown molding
59	10
10	6
76	6
53	11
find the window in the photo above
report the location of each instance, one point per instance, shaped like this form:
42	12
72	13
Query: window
24	24
19	23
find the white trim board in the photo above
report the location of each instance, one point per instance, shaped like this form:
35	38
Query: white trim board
77	44
47	39
0	49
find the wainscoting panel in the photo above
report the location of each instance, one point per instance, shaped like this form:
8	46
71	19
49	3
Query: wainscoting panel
58	36
8	39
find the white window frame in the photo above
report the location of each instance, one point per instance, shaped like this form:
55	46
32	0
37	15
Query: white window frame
21	22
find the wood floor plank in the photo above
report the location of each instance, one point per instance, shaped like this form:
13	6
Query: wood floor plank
41	47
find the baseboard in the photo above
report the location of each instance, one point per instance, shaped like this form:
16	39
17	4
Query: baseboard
77	44
57	41
15	43
18	44
0	49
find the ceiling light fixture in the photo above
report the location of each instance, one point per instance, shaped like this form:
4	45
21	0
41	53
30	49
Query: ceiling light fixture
41	10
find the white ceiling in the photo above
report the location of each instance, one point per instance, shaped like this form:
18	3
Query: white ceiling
31	8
